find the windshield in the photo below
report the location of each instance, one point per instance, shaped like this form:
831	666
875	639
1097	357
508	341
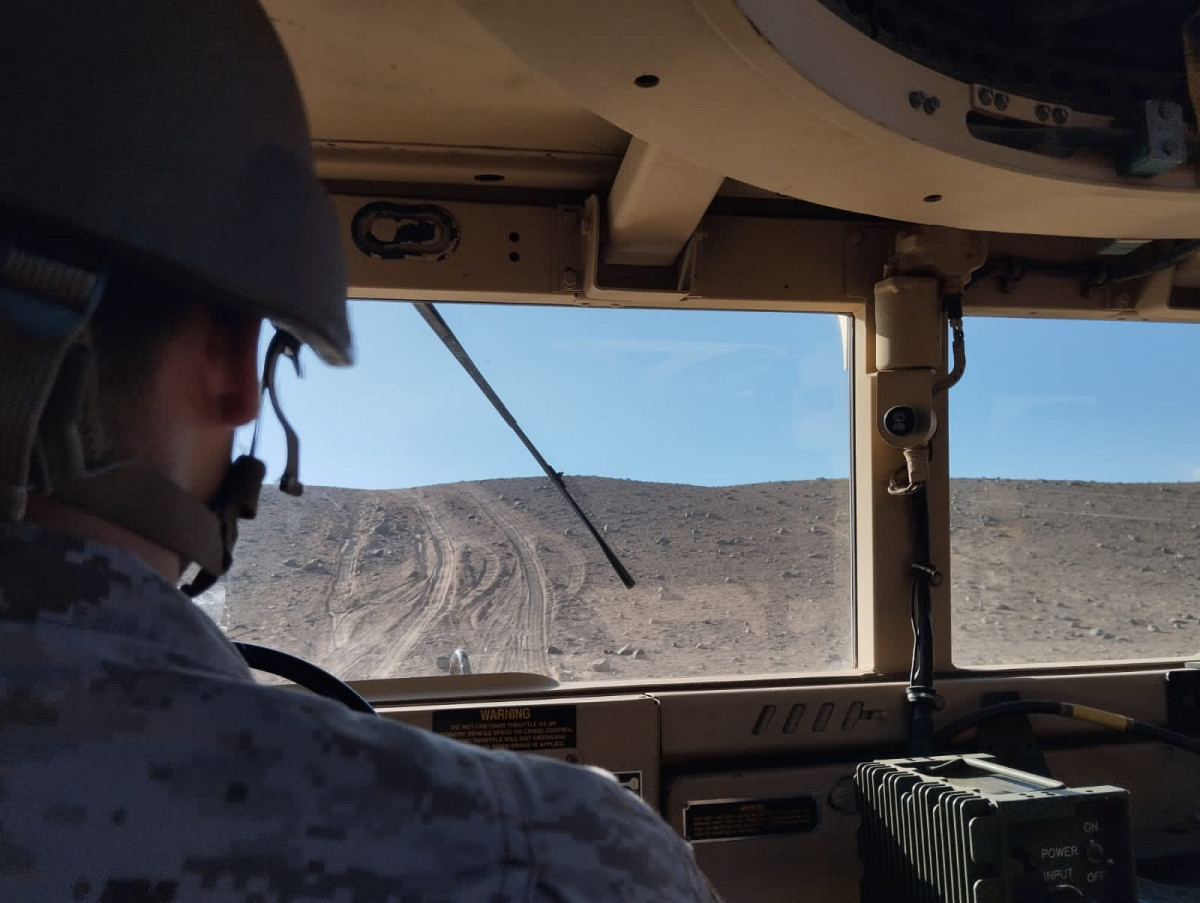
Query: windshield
710	449
1075	512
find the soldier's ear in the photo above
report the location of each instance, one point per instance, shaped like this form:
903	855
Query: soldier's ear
231	366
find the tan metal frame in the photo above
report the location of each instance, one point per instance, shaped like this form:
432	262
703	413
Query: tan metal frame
759	90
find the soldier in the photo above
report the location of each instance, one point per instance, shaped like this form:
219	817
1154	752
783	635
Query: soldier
157	199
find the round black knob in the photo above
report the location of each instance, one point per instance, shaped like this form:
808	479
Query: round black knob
900	421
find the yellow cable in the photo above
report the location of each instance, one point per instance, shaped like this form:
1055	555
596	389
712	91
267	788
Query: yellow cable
1098	716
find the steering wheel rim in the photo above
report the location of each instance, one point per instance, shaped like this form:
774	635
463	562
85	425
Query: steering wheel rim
304	674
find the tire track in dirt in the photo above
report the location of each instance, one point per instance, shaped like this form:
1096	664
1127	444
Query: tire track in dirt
519	625
406	624
341	583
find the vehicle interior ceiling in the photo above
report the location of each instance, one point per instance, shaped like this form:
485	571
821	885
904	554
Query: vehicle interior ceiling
900	164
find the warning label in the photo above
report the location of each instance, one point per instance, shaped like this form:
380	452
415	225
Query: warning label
520	728
736	819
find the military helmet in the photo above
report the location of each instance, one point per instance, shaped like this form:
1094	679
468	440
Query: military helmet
168	136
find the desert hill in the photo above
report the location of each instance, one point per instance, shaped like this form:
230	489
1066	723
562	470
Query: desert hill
731	580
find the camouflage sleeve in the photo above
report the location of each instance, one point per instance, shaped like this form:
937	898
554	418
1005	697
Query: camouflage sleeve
590	839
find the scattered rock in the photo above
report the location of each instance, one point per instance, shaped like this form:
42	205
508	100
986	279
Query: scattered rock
602	665
443	662
291	563
1003	606
627	649
640	654
553	650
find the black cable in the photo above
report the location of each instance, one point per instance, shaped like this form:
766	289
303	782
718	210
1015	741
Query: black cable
921	695
1083	713
1163	255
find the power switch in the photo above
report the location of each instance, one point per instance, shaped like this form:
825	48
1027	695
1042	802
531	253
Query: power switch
1095	853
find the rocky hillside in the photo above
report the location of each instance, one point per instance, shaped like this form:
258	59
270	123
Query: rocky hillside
731	580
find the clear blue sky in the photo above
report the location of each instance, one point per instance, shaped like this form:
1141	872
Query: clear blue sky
721	398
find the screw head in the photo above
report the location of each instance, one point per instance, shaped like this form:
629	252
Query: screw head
1001	101
1042	112
570	278
916	98
931	105
986	96
1060	116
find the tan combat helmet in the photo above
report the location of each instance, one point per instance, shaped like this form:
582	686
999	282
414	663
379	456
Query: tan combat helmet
164	138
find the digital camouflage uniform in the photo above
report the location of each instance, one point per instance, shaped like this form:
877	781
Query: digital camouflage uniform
140	762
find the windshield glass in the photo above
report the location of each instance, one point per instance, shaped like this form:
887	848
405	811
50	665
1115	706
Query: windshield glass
710	449
1075	511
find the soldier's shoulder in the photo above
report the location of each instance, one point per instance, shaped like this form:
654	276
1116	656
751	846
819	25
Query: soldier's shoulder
584	835
595	840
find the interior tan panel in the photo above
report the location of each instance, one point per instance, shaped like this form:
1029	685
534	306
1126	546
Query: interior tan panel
759	92
616	732
819	864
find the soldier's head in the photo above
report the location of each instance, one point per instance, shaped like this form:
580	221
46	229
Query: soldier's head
157	201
